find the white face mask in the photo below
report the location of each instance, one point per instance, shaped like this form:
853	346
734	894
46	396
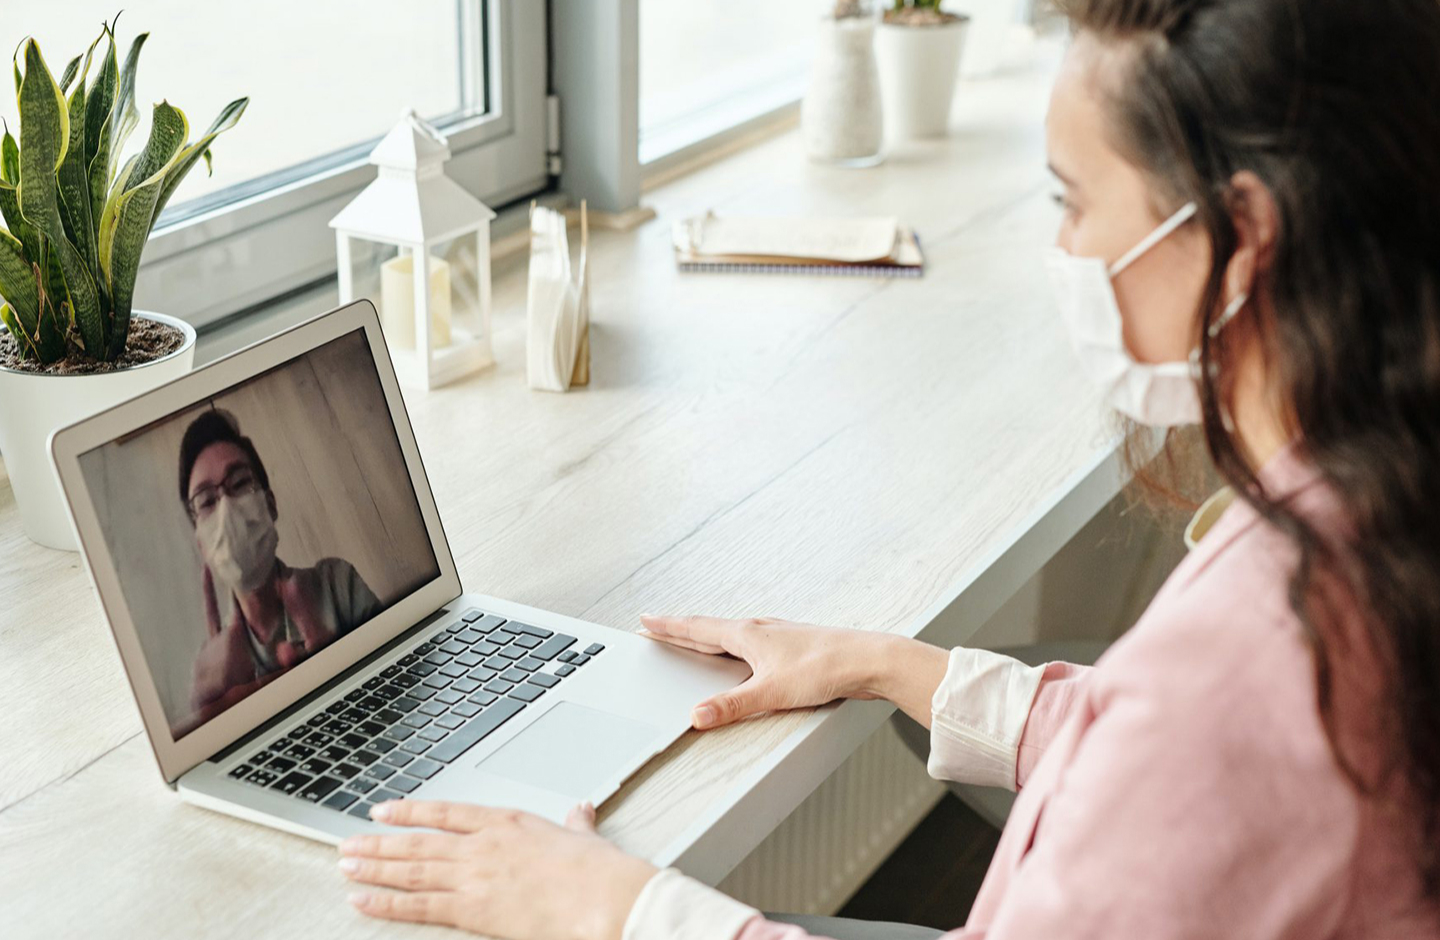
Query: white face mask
238	540
1161	394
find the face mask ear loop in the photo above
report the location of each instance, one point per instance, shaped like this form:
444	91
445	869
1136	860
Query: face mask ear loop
1181	216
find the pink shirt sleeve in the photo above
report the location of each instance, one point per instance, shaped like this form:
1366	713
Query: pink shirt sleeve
1062	685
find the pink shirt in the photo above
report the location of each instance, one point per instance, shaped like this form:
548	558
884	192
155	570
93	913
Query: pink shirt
1183	787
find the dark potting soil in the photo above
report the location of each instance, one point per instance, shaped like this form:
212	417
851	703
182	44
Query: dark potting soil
147	341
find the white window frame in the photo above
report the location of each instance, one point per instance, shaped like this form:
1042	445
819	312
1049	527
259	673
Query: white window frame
207	265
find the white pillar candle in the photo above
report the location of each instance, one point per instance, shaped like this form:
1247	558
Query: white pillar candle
397	301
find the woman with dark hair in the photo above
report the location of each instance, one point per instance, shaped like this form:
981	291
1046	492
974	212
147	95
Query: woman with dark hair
1251	242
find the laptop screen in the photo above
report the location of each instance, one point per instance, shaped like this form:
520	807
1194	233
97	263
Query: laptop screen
258	526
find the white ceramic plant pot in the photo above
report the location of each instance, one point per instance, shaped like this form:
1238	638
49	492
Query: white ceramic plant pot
840	117
34	404
918	69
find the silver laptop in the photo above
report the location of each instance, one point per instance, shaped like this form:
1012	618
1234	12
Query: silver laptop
269	556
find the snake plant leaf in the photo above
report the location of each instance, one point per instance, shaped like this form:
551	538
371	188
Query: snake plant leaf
10	212
99	125
9	159
107	216
22	339
18	282
135	210
44	138
126	115
69	74
74	179
228	117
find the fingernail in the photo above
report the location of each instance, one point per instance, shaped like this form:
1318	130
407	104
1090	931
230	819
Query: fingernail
381	811
648	617
588	808
703	716
358	898
349	865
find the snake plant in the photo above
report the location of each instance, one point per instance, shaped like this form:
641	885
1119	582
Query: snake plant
77	217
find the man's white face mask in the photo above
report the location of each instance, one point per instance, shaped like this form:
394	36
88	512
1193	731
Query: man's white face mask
238	540
1160	394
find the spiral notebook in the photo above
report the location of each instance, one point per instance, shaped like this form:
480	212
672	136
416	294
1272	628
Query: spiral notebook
855	247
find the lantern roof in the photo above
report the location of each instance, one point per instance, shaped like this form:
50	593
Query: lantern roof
411	201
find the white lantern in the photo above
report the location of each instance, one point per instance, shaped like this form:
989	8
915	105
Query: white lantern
414	218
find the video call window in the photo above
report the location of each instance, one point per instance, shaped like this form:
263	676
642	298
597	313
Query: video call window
257	527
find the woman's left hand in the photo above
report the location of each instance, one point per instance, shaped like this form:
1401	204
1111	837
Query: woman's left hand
496	871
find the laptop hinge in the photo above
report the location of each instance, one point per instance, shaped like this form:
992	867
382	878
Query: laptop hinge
324	690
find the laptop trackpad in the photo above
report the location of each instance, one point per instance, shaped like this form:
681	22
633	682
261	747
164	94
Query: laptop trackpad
572	749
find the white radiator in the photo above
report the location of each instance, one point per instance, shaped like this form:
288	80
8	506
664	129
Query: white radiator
825	850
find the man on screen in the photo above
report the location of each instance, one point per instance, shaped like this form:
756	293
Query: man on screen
262	615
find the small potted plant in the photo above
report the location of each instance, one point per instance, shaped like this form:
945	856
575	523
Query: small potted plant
918	51
76	218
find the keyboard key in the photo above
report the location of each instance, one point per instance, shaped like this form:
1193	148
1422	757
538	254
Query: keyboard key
383	794
514	675
336	726
420	669
438	658
466	709
353	696
262	778
341	800
482	698
260	758
391	671
398	734
345	771
580	660
398	758
380	772
468	637
557	645
530	664
369	728
531	629
545	679
354	715
527	692
402	783
416	720
362	785
433	709
593	648
423	692
449	696
487	648
469	660
364	758
388	692
453	647
282	765
405	704
320	789
424	768
361	809
300	751
406	660
497	663
317	719
318	738
498	686
315	766
382	745
335	708
454	670
291	782
471	615
415	746
564	669
432	734
450	722
526	642
513	653
487	623
439	681
422	649
352	740
566	656
469	684
475	729
241	772
388	716
405	681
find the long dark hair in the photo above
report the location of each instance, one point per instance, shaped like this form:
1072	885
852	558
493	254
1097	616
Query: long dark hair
1335	106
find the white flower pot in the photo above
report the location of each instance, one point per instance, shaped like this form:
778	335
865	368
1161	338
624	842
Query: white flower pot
34	404
840	117
918	69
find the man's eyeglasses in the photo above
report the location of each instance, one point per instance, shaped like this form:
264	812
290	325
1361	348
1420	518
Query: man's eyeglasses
239	482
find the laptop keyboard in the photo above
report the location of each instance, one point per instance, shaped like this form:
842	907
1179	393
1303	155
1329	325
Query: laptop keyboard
403	725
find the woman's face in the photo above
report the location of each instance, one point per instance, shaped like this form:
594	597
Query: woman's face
1110	206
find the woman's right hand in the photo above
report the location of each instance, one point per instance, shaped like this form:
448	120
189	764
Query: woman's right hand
798	665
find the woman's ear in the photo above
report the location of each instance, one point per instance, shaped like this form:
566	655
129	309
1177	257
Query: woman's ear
270	501
1257	221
